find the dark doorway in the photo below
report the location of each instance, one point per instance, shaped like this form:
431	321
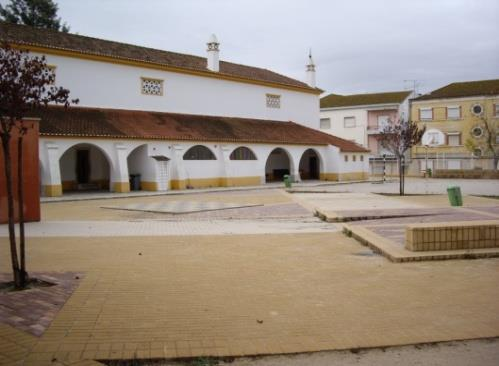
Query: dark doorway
277	166
83	166
313	167
310	165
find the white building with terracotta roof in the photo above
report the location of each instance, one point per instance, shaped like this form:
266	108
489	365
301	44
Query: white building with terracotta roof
178	121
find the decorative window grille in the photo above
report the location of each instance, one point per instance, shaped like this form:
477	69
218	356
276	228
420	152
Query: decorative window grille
426	113
325	123
453	112
362	158
152	86
242	153
354	158
273	101
349	122
496	110
346	158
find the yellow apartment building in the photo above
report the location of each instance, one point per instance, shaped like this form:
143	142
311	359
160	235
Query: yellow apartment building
462	127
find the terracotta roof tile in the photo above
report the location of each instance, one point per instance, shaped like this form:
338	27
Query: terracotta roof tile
115	123
464	89
29	36
336	100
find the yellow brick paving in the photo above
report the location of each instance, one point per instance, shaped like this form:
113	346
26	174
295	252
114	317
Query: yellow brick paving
14	345
88	210
237	295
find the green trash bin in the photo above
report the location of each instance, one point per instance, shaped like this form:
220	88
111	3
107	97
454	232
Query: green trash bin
287	181
455	197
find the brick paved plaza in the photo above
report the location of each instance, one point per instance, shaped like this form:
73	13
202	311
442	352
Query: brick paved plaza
240	294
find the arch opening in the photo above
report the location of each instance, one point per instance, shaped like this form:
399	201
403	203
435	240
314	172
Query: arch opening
84	167
242	153
310	165
277	166
199	152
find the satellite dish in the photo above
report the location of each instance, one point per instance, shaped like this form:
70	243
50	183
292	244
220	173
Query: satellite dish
433	137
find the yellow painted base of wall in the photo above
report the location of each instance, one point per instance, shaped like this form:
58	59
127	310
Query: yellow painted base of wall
329	176
177	184
149	186
52	190
344	176
121	187
353	176
215	182
72	185
69	185
240	181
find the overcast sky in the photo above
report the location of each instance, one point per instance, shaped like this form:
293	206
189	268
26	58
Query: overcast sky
358	45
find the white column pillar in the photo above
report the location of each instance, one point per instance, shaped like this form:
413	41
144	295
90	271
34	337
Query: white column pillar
180	176
294	162
119	174
225	166
51	171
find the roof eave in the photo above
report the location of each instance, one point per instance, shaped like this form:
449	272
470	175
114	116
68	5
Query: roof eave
35	47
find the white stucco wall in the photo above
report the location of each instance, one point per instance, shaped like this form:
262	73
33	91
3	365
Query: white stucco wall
136	157
357	133
109	85
351	166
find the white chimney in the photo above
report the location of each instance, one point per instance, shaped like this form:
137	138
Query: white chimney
310	71
212	56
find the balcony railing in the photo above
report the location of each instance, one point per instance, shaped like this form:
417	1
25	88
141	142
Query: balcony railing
375	129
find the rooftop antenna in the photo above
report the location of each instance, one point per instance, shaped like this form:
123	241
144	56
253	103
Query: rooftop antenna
415	84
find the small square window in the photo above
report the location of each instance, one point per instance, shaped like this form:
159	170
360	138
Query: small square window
453	113
152	86
426	114
273	101
346	158
454	139
349	122
325	123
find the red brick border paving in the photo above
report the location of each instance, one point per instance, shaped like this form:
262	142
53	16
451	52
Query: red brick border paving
34	309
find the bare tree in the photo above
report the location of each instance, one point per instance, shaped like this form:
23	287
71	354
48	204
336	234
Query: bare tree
485	138
398	137
26	84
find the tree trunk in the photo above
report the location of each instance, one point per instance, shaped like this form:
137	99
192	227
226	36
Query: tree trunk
401	177
20	193
10	208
